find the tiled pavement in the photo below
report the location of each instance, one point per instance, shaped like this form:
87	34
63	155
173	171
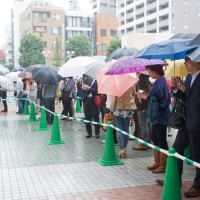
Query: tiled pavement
32	169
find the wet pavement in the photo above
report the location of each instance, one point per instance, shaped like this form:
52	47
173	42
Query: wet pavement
32	169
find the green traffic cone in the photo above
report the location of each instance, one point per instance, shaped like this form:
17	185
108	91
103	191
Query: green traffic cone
171	188
78	107
109	157
26	110
32	117
55	136
43	121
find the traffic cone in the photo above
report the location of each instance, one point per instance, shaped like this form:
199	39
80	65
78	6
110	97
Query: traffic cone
78	107
171	188
26	110
43	121
32	117
55	136
109	157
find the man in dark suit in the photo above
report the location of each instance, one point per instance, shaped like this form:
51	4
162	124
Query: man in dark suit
192	102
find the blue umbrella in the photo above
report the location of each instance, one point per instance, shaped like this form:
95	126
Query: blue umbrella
173	49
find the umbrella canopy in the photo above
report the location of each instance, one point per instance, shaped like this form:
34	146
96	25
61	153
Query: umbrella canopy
6	83
46	75
3	70
25	75
18	69
32	67
184	36
93	68
194	55
114	85
75	66
178	70
12	76
173	49
99	57
130	64
118	53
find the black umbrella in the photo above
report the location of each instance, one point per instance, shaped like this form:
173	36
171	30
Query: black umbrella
32	67
118	53
46	75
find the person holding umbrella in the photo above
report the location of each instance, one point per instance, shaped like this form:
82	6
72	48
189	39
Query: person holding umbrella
4	96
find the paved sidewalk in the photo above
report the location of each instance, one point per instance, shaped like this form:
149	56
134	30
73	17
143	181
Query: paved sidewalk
32	169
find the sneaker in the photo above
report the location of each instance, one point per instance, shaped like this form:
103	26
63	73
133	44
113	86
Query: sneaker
103	141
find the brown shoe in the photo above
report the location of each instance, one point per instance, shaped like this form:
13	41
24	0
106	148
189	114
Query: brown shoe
192	192
140	147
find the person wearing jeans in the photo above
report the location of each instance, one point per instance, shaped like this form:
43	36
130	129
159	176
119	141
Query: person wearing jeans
123	110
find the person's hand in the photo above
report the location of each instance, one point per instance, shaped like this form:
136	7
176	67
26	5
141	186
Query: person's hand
142	95
85	86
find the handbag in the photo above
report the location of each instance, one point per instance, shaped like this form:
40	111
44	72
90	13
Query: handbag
152	110
178	114
100	100
57	92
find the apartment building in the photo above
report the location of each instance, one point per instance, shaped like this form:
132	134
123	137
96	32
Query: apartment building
46	21
158	16
105	24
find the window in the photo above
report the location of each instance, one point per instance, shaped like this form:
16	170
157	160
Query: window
103	47
103	33
185	26
163	29
130	29
40	29
42	16
74	21
56	16
53	45
163	6
163	17
113	32
56	30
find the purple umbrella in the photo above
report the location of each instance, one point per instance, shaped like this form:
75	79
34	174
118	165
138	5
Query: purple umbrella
130	64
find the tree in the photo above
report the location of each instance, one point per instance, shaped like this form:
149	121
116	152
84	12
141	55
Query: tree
80	44
57	56
115	43
31	48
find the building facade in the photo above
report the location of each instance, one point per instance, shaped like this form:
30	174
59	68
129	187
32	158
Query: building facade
46	22
158	16
105	24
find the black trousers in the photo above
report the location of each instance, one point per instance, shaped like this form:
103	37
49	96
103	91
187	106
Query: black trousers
4	96
67	105
159	135
91	113
49	103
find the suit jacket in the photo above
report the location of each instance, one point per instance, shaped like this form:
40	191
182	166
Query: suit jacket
191	96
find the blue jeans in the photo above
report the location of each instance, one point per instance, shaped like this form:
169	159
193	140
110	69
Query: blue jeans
123	124
144	128
20	104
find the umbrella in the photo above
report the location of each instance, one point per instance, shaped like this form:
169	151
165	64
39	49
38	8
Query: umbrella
130	64
18	69
121	52
3	70
114	85
46	75
6	83
99	57
179	70
93	68
184	36
25	75
195	55
75	66
173	49
12	76
32	67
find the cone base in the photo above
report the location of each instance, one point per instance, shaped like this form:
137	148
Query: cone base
110	163
56	142
25	113
42	129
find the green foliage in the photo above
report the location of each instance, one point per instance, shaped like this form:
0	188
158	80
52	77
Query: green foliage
57	55
115	43
31	48
80	44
